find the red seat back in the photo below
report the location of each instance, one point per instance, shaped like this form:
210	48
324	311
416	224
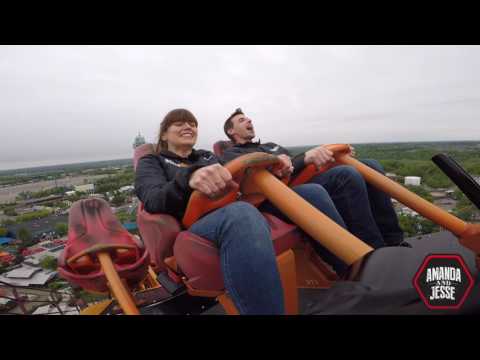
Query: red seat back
94	228
158	231
141	151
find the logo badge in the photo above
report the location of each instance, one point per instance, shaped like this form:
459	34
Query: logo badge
443	281
179	164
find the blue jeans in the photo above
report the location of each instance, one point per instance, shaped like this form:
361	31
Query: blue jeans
367	211
317	196
247	257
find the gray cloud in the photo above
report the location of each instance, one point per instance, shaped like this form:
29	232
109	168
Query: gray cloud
78	103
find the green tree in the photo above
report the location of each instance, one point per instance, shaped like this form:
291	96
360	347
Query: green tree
90	297
10	211
118	199
7	222
122	216
62	205
24	195
427	227
416	225
24	234
49	263
407	223
465	209
77	196
34	215
420	191
61	229
56	285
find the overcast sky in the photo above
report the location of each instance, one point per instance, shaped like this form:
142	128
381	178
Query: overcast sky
63	104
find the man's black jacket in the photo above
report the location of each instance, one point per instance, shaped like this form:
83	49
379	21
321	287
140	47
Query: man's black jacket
161	181
237	150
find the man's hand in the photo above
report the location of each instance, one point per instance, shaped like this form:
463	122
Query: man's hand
352	151
213	180
284	168
319	156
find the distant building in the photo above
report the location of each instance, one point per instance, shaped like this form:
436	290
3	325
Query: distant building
446	204
32	261
392	176
126	188
438	194
450	192
139	140
27	276
407	211
87	188
101	196
413	180
53	310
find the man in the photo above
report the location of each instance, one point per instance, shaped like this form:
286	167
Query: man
367	212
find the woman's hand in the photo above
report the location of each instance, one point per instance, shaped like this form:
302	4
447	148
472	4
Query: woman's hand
213	180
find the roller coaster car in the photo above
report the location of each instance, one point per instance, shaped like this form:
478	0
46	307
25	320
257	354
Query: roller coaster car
101	256
178	257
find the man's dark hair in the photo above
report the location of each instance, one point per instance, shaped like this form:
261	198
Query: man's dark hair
229	124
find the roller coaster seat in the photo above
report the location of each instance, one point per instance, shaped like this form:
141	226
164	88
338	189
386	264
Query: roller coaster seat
93	228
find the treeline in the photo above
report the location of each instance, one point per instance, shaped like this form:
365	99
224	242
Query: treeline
24	178
42	173
50	170
24	195
418	154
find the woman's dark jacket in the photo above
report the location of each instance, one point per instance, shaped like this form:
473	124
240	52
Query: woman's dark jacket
161	181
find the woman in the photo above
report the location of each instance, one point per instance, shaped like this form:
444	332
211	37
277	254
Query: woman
164	183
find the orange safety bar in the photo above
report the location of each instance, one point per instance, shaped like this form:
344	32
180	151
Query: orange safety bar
406	197
469	234
310	170
339	241
123	296
199	204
